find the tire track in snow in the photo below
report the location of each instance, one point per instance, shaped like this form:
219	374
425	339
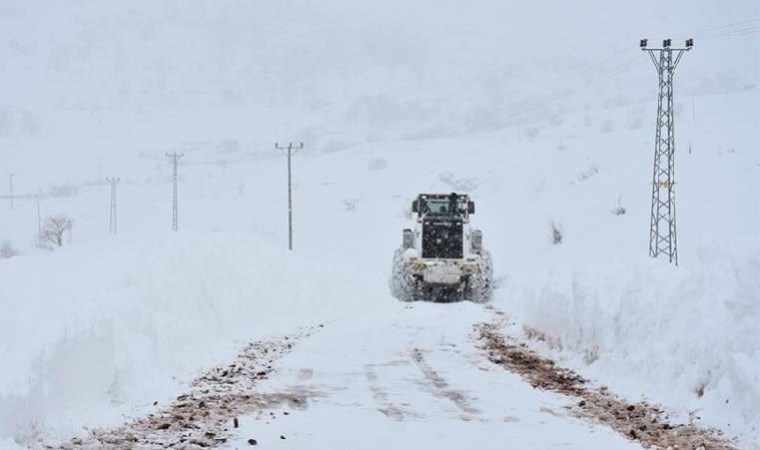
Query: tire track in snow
441	387
380	395
205	416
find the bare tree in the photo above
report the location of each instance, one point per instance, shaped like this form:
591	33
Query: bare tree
557	234
51	234
349	204
608	126
620	209
7	250
377	164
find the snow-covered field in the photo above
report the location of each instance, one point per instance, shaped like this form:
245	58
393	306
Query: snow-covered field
93	333
107	325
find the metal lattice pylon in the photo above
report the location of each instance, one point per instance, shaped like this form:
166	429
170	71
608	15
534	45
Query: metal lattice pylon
174	158
662	231
112	210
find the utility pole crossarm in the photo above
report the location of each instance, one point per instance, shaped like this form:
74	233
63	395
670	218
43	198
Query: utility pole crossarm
678	58
290	148
654	60
688	45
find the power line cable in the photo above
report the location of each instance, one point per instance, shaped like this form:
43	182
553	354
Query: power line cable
569	88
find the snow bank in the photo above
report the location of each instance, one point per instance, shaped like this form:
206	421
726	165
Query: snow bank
688	336
130	325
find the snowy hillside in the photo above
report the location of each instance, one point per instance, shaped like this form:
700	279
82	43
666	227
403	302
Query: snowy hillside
109	329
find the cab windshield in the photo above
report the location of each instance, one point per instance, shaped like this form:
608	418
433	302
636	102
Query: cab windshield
442	206
438	206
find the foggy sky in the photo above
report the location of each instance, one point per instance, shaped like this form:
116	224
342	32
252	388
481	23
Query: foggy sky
70	68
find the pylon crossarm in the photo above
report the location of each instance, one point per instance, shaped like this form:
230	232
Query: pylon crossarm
678	59
654	60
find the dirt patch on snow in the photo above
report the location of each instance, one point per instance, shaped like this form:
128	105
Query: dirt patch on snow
641	422
207	415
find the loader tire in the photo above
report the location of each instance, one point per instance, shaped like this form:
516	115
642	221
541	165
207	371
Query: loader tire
479	287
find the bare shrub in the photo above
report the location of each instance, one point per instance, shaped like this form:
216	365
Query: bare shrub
533	132
377	164
53	229
619	209
458	184
700	389
556	119
349	204
7	250
557	233
63	190
608	126
589	172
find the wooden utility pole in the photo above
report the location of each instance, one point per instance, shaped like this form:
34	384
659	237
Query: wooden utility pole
289	151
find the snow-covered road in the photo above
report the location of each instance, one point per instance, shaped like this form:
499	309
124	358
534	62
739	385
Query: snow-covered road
412	378
412	375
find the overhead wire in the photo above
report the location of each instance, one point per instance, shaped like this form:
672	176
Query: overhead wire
569	89
566	90
581	76
741	32
730	25
749	26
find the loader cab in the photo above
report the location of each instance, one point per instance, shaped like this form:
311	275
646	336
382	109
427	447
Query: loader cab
451	205
442	219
